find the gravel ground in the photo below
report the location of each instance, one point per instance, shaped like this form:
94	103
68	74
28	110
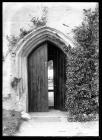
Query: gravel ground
11	122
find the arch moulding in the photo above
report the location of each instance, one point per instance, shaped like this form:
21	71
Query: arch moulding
25	47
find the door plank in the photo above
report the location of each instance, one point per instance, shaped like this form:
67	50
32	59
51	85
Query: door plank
37	80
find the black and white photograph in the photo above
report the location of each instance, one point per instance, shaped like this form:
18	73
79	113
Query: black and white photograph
50	69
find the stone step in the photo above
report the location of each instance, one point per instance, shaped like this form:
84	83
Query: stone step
50	116
46	119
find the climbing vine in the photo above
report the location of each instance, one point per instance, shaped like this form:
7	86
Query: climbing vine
82	66
37	22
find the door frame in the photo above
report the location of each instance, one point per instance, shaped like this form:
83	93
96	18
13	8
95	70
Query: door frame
25	47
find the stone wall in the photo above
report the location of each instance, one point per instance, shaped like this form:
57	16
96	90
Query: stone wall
10	95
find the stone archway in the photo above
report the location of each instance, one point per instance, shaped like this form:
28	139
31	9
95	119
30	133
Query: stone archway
25	47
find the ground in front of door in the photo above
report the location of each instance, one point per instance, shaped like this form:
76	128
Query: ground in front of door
54	123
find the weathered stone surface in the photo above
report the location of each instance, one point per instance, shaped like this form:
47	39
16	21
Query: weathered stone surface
25	115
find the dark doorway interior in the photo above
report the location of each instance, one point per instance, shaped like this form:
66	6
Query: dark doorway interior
58	58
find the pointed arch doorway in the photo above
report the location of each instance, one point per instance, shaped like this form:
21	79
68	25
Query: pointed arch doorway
38	99
46	43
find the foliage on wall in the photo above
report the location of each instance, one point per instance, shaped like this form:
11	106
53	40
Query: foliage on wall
82	84
37	22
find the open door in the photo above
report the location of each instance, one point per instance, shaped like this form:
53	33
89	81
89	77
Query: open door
58	57
38	80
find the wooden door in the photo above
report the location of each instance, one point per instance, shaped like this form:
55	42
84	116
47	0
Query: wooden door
38	80
59	79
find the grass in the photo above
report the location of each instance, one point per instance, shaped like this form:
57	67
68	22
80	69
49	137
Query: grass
11	122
